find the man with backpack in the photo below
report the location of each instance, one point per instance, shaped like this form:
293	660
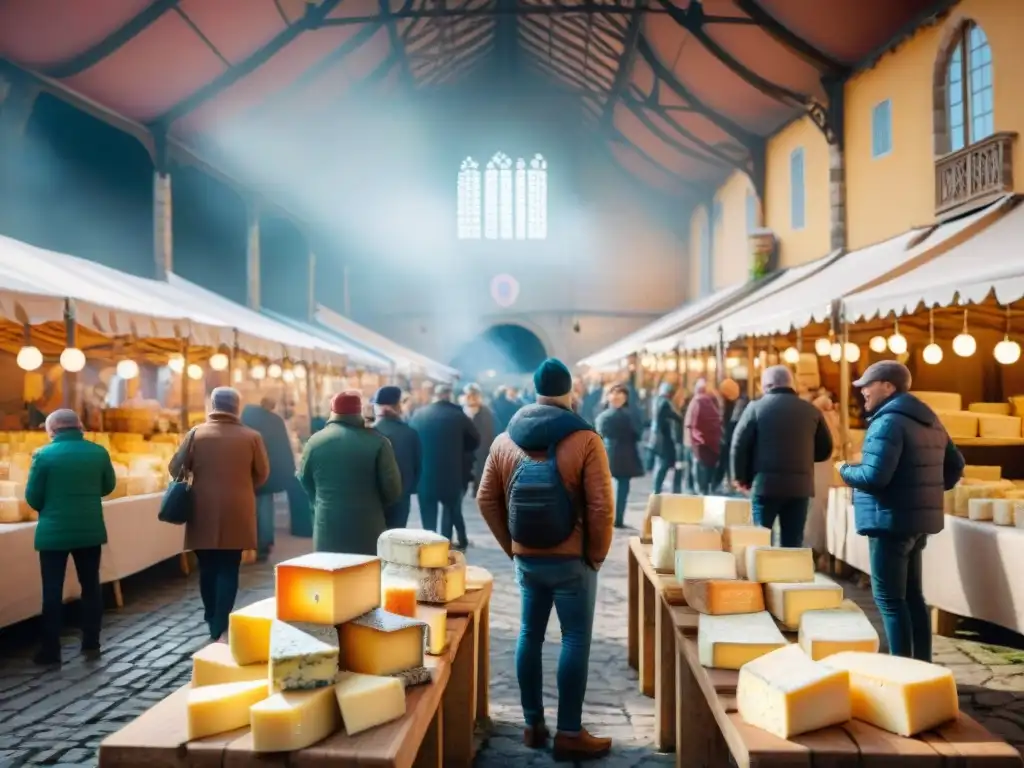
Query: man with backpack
546	494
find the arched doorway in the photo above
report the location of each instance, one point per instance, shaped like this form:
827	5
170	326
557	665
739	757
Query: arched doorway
500	351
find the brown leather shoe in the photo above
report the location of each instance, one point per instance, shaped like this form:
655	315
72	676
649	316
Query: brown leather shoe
536	736
582	746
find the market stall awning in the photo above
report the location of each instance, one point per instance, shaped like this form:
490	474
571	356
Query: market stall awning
655	334
255	333
967	273
405	360
356	353
34	284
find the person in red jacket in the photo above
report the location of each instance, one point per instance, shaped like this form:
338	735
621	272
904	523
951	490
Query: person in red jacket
703	426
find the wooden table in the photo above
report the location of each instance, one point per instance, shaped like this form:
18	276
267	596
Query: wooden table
710	733
158	737
475	607
650	639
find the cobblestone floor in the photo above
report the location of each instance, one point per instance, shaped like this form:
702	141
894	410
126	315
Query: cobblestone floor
58	717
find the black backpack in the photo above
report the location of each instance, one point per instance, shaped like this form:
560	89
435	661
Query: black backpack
541	514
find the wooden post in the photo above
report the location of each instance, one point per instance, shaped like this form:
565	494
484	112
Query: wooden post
163	215
844	389
70	395
183	416
750	368
720	357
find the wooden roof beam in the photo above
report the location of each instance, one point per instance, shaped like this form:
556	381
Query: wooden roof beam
624	75
813	56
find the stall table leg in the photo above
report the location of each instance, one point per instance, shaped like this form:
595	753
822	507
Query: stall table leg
459	707
634	575
483	688
944	623
431	752
665	678
118	597
648	604
699	740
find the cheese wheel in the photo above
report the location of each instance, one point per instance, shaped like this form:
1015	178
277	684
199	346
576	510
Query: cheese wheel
999	426
1002	511
979	509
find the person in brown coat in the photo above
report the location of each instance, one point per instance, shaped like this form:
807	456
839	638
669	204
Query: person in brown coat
228	462
546	494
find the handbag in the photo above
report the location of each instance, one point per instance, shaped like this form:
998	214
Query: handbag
177	503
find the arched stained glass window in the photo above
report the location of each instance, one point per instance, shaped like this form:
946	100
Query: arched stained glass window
514	200
970	108
469	200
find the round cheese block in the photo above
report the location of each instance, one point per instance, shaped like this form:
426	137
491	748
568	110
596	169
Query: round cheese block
477	577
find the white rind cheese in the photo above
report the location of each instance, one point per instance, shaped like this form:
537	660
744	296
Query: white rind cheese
413	676
787	601
413	546
781	564
433	585
729	642
299	661
979	509
721	511
828	632
737	538
667	537
1002	511
787	694
704	564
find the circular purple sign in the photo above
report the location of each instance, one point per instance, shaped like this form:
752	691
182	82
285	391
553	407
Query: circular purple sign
504	290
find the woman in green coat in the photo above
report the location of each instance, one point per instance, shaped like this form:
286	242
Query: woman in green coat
66	485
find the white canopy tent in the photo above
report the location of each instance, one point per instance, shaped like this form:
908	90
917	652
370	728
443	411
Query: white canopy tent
990	262
356	353
404	360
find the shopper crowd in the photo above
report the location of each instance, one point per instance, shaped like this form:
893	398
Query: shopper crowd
551	473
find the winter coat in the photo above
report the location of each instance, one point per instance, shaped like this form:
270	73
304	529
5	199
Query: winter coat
908	461
483	420
446	436
777	442
618	428
504	410
664	430
590	407
228	463
582	464
66	485
406	445
703	426
351	475
279	447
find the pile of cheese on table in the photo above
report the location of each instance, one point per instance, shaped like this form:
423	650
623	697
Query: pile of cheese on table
336	646
140	466
984	495
997	422
748	593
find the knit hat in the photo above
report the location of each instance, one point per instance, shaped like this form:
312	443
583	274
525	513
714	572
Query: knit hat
552	378
730	389
387	396
225	400
348	403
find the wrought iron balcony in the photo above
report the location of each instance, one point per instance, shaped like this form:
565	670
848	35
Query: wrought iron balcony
974	175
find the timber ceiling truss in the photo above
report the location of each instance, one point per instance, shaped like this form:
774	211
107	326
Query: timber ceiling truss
685	91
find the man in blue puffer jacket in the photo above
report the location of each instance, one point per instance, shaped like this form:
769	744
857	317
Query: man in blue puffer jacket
908	461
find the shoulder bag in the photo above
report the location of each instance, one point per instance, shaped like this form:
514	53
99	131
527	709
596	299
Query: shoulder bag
177	504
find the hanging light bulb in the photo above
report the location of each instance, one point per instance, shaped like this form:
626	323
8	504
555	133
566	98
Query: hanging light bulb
835	352
258	372
878	344
274	371
176	363
897	343
300	371
288	375
732	362
932	354
822	346
964	344
1007	351
29	358
72	359
852	352
791	356
237	376
219	362
195	372
127	369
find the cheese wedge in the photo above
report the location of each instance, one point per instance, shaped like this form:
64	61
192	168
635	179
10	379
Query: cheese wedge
382	643
904	696
294	720
214	709
959	424
433	585
720	597
722	511
828	632
704	564
327	588
215	665
729	642
680	508
787	694
436	620
782	564
413	546
787	602
1002	511
301	661
367	701
979	509
736	539
667	537
249	631
989	474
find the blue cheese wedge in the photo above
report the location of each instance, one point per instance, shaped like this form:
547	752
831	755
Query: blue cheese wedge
300	661
414	676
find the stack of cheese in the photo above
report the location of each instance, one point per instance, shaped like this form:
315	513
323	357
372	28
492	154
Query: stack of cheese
787	693
984	495
13	507
319	654
692	523
421	562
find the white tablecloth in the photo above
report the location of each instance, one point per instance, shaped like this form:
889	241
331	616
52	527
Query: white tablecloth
971	568
135	541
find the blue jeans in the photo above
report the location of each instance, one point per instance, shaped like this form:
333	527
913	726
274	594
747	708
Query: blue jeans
621	497
661	468
791	513
899	594
451	515
569	585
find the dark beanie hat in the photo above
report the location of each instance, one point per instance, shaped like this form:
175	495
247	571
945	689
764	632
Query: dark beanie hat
348	403
388	396
552	378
